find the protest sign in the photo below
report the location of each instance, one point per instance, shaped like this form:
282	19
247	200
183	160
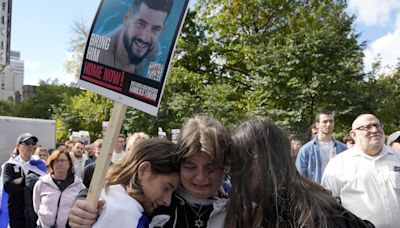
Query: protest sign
129	50
127	58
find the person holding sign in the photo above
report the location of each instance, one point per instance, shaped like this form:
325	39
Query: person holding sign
142	181
135	44
200	201
130	48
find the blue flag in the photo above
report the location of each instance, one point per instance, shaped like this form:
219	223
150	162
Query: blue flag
35	165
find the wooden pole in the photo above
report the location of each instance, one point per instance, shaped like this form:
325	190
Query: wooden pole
103	161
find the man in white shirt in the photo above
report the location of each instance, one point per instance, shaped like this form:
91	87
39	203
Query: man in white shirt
367	176
79	158
119	151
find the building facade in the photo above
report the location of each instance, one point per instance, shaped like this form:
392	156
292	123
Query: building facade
5	32
12	79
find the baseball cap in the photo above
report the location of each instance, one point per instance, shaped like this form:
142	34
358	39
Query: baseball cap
393	137
25	136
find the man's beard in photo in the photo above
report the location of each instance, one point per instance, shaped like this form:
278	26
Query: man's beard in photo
133	58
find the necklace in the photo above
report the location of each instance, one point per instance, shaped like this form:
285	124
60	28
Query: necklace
198	222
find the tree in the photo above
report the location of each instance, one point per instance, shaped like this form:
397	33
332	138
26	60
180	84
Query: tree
283	59
6	107
85	111
190	93
80	34
290	57
386	91
186	94
47	98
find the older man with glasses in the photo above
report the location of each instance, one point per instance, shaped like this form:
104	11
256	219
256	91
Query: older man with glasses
367	176
19	176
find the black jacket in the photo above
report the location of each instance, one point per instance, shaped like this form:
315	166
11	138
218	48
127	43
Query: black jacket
348	220
20	207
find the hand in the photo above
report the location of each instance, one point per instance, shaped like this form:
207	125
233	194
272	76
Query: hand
82	215
17	181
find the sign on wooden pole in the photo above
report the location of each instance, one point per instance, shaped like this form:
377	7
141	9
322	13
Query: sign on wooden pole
127	58
128	53
103	161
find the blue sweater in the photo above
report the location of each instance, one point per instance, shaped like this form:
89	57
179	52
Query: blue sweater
308	161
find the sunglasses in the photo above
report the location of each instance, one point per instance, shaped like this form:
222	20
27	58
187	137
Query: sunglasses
29	143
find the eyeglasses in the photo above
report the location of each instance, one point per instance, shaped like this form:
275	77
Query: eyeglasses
62	161
29	143
369	127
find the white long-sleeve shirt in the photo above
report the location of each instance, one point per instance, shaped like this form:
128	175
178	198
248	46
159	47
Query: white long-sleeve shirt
120	210
367	186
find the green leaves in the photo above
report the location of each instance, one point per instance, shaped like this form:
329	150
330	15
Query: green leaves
41	104
85	111
294	56
283	59
6	108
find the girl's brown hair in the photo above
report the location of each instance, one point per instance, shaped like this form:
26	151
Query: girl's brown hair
284	198
204	134
160	154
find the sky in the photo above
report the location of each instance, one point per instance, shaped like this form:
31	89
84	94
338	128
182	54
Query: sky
378	22
41	32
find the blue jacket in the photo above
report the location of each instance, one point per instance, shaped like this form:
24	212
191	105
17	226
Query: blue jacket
308	161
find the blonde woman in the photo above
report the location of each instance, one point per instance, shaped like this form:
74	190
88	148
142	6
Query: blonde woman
135	139
42	152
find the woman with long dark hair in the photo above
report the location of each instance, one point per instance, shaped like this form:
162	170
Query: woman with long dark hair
267	190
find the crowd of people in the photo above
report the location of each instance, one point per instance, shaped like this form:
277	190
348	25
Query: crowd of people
251	176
